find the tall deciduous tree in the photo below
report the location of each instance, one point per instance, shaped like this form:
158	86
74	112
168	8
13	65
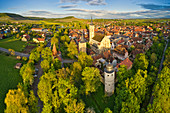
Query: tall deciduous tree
138	84
91	79
35	56
16	102
72	49
153	58
27	72
33	102
66	90
75	107
107	110
76	72
161	101
85	60
47	54
45	65
126	102
54	40
141	62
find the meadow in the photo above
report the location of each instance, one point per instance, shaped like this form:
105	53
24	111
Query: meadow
12	43
9	77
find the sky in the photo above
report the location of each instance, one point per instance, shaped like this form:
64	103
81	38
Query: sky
110	9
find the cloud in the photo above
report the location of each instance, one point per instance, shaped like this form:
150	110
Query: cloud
85	13
89	2
96	2
155	7
68	6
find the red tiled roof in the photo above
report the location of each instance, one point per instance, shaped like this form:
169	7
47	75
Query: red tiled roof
126	62
40	39
120	41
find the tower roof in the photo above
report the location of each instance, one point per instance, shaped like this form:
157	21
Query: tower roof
91	21
82	38
109	67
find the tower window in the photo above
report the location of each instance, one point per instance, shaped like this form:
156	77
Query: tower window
112	74
109	84
108	75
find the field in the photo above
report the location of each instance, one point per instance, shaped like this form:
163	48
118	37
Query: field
9	77
11	43
98	100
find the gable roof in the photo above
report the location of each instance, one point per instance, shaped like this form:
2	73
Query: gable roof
98	37
125	62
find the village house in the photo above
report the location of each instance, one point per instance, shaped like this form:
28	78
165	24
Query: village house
37	29
125	62
120	52
25	37
39	40
136	51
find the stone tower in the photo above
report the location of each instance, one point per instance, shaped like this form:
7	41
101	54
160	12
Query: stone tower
82	44
91	31
109	79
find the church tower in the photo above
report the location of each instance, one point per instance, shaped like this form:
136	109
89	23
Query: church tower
82	44
109	79
54	50
91	31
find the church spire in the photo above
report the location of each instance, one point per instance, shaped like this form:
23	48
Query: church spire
82	38
91	21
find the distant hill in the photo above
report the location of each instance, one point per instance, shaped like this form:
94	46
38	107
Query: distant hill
11	16
4	17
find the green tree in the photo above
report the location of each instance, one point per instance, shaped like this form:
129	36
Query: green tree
27	72
107	110
45	65
153	58
16	102
24	58
54	40
126	102
57	63
33	102
155	38
167	58
47	54
72	49
161	101
141	62
138	84
47	108
45	86
85	60
76	72
91	79
67	91
75	107
34	56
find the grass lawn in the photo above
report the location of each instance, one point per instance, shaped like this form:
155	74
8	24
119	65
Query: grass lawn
9	77
98	100
11	43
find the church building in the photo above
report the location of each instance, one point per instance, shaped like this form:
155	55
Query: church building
99	42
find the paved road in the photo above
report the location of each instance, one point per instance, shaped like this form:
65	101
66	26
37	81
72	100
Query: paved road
16	53
159	71
68	61
35	85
